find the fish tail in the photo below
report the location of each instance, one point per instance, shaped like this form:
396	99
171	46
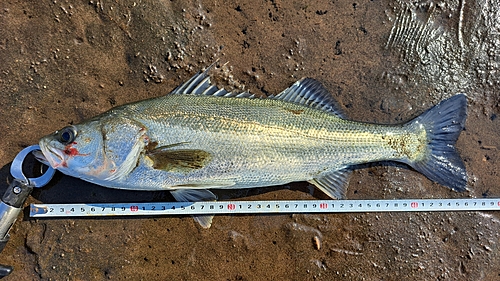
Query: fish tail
440	161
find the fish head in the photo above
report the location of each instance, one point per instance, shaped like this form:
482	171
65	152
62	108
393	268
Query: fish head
99	151
73	149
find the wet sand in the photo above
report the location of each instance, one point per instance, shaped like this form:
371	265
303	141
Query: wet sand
63	61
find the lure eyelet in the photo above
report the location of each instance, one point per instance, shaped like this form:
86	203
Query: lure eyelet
67	135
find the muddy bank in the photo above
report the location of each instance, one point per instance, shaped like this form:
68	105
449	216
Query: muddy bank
386	62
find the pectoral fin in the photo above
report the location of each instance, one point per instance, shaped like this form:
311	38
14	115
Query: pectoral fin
178	160
196	195
334	184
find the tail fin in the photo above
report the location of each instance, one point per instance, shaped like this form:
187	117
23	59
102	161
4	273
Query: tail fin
443	124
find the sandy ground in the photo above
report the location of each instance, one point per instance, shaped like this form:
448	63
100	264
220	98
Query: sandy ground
64	61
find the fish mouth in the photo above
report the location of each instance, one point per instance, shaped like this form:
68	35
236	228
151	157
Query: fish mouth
50	156
40	157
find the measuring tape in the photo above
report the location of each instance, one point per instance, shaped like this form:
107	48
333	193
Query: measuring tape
262	207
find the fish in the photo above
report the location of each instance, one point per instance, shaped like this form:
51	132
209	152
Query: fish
201	137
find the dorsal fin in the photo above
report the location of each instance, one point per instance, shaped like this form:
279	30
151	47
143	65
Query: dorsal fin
200	84
306	91
310	92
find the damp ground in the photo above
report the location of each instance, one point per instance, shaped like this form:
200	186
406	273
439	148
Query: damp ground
62	62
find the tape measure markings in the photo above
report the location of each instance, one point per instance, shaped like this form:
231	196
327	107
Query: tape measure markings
261	207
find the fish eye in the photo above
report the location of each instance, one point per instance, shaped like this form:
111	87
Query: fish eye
67	134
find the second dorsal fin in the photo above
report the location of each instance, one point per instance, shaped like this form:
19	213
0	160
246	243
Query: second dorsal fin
310	92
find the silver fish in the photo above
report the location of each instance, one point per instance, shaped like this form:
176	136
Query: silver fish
200	137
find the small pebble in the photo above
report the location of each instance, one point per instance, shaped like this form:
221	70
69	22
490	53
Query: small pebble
316	242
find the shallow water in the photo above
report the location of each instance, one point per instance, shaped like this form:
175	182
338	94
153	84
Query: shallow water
384	61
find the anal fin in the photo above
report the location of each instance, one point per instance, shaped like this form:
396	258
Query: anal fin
334	184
